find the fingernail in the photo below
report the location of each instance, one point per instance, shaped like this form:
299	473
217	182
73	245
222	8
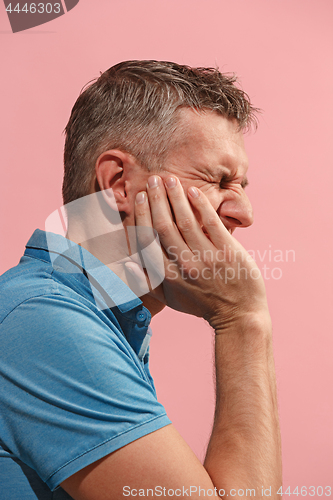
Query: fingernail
153	181
193	191
140	198
170	182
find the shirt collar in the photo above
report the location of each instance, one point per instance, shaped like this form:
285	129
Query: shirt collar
65	255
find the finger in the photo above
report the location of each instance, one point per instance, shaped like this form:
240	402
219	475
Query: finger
162	217
142	211
186	220
148	246
212	224
143	234
137	280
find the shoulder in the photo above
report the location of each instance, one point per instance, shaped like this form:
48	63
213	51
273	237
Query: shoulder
32	292
30	278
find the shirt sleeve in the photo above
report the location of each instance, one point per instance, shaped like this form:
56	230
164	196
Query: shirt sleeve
73	388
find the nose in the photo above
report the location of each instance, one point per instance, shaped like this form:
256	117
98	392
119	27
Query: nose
236	211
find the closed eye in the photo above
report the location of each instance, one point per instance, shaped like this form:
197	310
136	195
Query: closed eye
226	180
223	182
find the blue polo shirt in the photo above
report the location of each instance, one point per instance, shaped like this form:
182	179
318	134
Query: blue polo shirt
75	382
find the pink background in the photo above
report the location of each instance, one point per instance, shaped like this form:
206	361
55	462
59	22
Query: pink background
282	50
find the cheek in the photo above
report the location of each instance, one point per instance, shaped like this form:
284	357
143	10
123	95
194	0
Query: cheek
211	190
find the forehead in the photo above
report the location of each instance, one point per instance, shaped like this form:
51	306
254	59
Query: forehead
209	137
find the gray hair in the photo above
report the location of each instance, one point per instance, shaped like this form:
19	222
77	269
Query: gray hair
134	106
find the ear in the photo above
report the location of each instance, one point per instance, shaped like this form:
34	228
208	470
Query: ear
111	168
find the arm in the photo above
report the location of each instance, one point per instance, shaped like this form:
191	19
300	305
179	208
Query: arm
244	450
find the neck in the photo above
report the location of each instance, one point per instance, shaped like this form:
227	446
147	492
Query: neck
111	243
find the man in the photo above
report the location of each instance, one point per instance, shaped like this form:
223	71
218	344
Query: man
157	146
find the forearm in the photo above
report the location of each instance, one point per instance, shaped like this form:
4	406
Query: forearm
244	451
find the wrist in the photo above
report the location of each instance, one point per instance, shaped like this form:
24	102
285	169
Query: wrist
247	323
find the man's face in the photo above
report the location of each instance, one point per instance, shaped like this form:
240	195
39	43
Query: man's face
211	157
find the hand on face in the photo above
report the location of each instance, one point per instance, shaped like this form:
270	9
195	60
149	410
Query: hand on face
207	272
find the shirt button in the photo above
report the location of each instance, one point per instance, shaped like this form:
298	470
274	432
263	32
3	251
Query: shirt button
141	315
